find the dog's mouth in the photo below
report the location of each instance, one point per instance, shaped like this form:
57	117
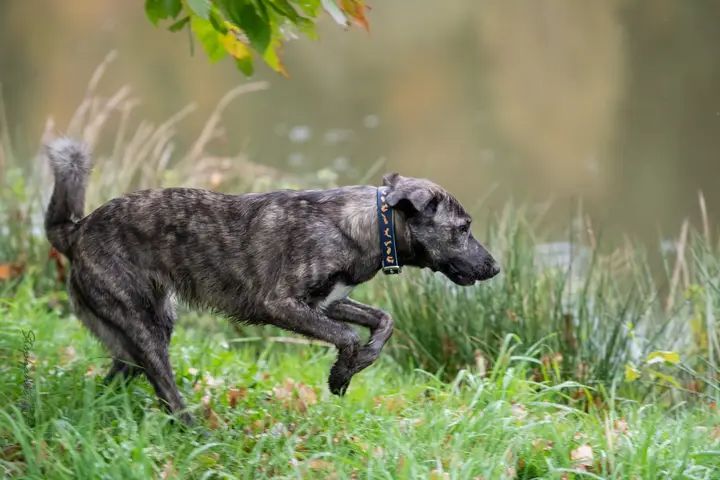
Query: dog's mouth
459	277
465	279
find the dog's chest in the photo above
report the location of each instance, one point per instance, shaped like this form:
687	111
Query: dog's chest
338	292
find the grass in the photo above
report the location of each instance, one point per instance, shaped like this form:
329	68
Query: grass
266	413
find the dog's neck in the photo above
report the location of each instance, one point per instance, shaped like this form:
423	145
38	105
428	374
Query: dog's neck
360	222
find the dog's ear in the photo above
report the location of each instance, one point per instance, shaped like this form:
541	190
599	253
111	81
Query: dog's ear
408	196
390	179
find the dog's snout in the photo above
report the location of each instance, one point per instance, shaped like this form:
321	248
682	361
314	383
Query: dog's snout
490	269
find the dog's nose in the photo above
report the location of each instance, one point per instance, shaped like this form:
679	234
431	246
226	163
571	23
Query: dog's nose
494	269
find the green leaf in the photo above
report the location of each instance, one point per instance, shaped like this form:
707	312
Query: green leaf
663	356
309	7
209	38
308	28
244	15
217	21
179	24
200	7
245	65
284	8
157	10
272	58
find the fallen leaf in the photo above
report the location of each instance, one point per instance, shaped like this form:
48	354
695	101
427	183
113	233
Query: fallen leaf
620	426
68	355
481	363
295	395
12	452
212	418
543	445
210	415
582	456
552	360
392	404
518	411
319	464
9	271
168	471
60	269
437	474
582	370
235	394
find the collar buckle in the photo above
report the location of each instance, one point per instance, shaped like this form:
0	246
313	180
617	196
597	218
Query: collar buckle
391	269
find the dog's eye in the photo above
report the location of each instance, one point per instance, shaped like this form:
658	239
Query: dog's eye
465	227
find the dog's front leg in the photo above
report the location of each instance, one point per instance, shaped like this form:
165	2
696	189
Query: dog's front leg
291	314
379	322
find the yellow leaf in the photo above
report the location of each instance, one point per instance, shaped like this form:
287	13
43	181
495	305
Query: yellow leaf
631	373
663	356
234	46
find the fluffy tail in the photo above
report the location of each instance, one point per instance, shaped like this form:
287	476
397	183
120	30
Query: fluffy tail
70	161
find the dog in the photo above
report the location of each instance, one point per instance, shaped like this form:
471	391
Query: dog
284	258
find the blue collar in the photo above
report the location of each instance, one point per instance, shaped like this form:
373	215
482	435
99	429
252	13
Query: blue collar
386	229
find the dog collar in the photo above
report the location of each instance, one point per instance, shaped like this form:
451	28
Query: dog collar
386	229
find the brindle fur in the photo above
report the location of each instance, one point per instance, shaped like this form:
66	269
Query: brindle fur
284	258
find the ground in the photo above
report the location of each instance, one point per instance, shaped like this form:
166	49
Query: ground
264	411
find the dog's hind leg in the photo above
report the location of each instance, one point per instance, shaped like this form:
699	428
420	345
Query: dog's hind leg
298	317
379	322
134	326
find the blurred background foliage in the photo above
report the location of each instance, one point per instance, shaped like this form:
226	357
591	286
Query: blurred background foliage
615	103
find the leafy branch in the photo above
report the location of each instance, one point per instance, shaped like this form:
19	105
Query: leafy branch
244	29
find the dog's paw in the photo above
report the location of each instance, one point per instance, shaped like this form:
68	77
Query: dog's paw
339	380
338	387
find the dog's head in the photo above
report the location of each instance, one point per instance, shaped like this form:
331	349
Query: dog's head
439	227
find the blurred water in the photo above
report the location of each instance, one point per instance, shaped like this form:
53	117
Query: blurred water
613	103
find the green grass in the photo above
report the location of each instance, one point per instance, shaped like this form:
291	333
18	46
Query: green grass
394	423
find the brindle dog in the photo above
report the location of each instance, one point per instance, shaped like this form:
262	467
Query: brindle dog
285	258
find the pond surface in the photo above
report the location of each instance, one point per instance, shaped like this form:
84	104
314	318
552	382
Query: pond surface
613	105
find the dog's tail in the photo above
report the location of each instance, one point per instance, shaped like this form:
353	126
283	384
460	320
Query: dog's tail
70	161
